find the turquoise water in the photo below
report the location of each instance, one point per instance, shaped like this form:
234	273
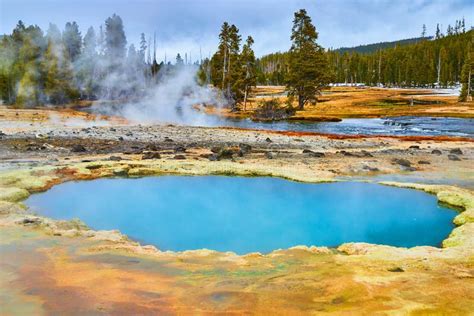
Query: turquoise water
249	214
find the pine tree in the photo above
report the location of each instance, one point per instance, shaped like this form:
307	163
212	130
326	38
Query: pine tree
58	79
204	75
438	32
450	30
220	58
72	40
179	60
115	40
7	73
28	88
229	68
248	61
87	72
90	42
50	66
53	33
220	61
308	68
234	90
25	67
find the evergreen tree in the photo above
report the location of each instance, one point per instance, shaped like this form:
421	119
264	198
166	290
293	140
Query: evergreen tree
234	85
308	68
219	60
132	54
204	72
248	61
88	70
58	79
28	88
438	32
72	40
18	32
450	30
229	68
179	60
8	76
115	53
53	33
52	86
457	27
224	62
90	42
115	40
29	42
134	70
272	69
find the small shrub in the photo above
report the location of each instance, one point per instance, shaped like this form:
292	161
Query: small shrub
272	110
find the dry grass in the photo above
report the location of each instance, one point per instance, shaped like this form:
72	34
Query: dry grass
356	102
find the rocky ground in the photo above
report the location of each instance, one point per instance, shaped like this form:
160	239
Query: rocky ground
439	160
57	267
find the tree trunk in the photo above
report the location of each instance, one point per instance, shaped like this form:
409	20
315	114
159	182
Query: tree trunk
380	67
223	68
469	97
300	102
245	97
439	68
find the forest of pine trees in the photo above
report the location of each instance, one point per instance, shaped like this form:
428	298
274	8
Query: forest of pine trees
58	67
426	63
232	67
54	68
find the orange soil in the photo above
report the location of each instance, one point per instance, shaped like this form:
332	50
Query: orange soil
356	102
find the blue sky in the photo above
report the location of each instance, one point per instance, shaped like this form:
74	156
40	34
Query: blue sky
186	25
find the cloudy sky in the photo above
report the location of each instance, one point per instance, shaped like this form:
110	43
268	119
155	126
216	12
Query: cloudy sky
188	25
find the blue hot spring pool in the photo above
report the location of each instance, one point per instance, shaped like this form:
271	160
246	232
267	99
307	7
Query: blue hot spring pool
249	214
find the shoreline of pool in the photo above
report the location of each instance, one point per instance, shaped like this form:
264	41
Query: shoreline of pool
452	196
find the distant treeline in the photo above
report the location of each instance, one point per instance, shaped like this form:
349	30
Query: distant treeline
423	63
371	48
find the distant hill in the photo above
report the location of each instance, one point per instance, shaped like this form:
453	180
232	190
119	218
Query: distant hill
371	48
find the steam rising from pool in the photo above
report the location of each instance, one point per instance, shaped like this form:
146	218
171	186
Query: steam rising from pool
173	100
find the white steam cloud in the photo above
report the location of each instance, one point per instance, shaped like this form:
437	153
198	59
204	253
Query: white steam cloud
172	100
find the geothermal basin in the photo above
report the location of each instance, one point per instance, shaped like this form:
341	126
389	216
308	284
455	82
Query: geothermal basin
246	215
